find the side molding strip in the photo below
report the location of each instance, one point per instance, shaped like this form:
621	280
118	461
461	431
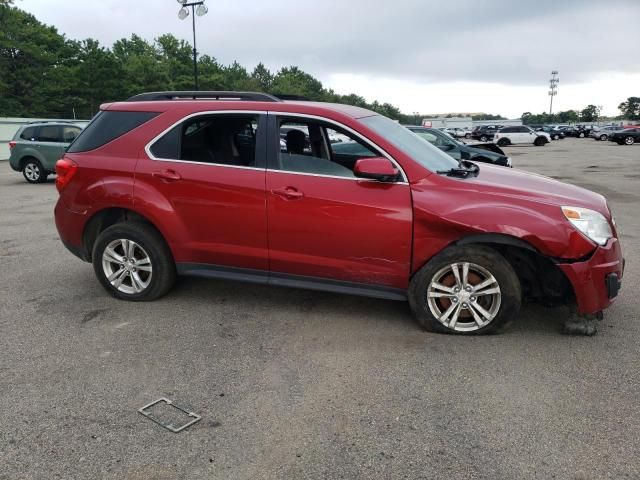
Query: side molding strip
293	281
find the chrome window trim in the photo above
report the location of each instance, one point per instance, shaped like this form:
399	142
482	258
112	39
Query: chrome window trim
147	147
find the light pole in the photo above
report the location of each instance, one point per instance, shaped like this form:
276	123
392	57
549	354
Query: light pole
184	13
553	88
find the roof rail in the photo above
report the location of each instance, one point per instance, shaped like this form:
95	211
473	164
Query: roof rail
203	95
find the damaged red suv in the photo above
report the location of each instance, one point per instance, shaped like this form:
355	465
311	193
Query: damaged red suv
245	186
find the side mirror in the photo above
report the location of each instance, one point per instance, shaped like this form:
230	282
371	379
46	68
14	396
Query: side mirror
376	168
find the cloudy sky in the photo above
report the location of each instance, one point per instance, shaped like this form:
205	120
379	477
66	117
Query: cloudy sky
429	56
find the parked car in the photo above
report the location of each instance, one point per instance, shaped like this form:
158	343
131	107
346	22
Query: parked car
36	147
457	132
602	133
459	150
484	133
156	187
521	135
555	133
627	136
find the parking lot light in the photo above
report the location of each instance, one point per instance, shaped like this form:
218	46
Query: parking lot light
200	11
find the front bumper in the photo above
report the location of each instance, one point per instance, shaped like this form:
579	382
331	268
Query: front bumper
596	281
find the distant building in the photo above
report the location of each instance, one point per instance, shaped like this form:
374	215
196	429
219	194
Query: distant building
465	122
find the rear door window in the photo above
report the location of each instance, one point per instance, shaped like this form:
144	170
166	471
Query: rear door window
50	133
69	134
225	139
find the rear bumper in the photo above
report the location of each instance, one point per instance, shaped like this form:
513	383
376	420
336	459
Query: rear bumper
596	281
70	227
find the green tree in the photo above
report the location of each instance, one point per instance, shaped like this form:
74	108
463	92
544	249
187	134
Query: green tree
590	113
291	80
263	77
630	109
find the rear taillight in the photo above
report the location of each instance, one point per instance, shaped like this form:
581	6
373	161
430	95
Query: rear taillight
12	145
65	169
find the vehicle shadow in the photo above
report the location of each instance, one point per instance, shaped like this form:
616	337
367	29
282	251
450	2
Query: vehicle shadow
361	311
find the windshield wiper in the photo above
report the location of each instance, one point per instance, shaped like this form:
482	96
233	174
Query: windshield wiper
465	169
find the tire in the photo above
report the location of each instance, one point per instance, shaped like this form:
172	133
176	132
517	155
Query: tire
539	142
467	135
629	140
483	138
136	282
428	303
603	137
581	135
556	137
33	172
503	142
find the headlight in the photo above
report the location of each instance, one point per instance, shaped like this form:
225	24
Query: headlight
592	224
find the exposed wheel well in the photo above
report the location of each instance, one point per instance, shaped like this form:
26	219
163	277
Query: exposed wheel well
25	159
540	278
103	220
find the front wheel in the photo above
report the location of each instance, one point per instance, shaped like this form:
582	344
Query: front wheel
581	135
467	135
483	138
556	137
133	262
539	142
603	137
629	140
33	171
465	290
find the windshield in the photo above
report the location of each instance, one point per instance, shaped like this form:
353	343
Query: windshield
416	147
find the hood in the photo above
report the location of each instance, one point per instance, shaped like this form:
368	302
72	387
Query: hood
530	186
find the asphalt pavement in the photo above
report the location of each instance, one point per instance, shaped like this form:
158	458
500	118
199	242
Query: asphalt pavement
295	384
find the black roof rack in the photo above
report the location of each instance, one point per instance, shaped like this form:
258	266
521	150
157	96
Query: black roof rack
203	95
289	96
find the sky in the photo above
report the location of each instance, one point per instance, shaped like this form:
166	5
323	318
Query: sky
427	56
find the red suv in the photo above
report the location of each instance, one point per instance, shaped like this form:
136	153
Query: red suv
245	186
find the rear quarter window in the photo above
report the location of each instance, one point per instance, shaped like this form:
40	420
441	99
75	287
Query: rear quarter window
107	126
28	133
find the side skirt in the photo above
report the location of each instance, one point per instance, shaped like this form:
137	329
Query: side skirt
287	280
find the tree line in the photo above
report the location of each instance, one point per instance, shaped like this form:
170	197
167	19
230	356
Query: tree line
44	74
629	109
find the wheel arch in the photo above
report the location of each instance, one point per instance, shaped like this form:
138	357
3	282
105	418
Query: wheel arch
540	277
107	217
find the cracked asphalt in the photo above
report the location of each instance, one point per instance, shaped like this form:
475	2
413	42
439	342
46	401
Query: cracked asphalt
294	384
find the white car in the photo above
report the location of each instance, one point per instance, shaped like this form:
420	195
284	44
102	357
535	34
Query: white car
520	135
457	132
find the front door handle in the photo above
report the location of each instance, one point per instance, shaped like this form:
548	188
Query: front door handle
288	193
167	175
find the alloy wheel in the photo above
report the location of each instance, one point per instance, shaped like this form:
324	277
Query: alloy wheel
127	266
629	140
32	172
464	296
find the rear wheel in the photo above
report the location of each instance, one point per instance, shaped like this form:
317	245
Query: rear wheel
483	138
33	171
629	140
556	137
465	290
133	262
467	135
581	135
603	137
503	142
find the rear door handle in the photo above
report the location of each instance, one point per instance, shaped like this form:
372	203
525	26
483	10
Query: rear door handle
168	175
288	193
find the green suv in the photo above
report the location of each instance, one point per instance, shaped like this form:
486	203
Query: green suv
36	147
